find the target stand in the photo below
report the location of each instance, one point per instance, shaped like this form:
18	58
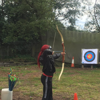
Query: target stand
89	56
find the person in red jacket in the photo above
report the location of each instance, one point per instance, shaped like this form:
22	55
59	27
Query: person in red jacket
46	57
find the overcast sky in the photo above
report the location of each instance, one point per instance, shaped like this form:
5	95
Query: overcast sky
80	22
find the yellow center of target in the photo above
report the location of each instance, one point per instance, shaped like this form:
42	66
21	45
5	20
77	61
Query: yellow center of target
89	56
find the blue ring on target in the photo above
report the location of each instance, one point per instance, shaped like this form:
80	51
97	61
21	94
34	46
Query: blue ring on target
92	54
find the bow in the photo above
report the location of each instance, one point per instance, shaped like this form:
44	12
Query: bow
63	58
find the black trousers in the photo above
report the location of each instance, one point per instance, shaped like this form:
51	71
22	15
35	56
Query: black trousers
47	87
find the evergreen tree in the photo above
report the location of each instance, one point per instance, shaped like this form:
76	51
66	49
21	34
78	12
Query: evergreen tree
27	19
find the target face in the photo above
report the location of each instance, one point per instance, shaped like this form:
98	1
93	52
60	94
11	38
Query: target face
89	56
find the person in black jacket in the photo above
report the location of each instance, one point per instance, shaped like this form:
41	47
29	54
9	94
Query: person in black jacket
46	57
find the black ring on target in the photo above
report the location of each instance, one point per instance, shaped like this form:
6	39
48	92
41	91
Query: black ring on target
91	54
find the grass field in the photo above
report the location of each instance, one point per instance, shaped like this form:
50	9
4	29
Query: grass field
84	82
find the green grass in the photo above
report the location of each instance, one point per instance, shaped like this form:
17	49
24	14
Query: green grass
84	82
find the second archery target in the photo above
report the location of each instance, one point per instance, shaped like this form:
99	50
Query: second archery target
89	56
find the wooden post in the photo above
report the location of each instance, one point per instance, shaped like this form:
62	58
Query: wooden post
81	59
82	66
91	66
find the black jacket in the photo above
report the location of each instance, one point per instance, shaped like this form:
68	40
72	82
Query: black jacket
47	60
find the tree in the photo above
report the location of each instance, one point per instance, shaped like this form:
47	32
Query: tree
93	24
26	21
2	21
71	28
68	10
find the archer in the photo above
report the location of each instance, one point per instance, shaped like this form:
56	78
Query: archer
47	57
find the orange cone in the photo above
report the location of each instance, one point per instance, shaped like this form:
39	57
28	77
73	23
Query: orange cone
72	65
75	96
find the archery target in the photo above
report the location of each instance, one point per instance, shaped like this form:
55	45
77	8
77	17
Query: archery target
89	56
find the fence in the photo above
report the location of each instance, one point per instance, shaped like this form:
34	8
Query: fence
74	41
